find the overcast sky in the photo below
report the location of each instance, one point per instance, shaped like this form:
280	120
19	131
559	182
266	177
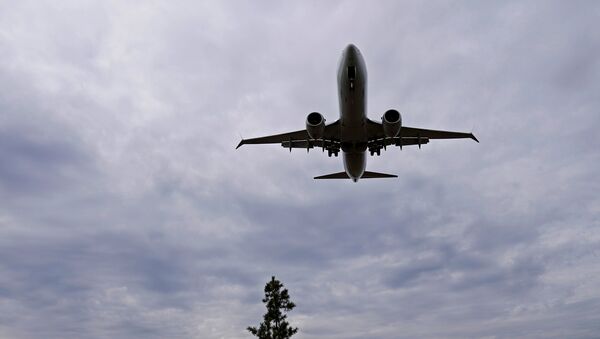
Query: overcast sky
126	212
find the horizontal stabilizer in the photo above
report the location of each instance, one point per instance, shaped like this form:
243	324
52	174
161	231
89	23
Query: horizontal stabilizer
372	175
366	175
339	175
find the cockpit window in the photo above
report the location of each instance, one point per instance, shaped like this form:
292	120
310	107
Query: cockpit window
351	72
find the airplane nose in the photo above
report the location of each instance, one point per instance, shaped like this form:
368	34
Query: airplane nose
351	50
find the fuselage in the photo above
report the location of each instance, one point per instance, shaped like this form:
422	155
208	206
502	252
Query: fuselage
352	93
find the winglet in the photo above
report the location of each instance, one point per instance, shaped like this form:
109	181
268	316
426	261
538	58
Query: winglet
473	135
240	144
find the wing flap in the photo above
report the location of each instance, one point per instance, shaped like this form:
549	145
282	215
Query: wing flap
311	143
405	141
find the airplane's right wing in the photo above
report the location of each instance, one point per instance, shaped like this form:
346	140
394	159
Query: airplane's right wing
298	139
277	138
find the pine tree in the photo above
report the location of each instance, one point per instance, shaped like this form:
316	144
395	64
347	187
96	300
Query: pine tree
278	302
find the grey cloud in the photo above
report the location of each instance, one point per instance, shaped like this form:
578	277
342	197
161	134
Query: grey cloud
146	222
32	162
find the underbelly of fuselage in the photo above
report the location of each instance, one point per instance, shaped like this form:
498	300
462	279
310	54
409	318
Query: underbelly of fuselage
352	86
353	134
353	117
355	164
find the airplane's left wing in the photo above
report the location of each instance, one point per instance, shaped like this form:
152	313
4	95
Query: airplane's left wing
332	132
375	131
434	134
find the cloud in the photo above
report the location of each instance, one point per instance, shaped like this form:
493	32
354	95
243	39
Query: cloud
125	210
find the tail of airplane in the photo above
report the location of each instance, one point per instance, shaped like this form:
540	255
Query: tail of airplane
366	175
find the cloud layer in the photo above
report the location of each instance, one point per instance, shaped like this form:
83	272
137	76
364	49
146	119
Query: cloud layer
125	211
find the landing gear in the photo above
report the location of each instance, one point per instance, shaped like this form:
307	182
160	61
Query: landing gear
332	151
374	151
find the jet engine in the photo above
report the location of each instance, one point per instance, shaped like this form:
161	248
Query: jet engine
315	125
392	122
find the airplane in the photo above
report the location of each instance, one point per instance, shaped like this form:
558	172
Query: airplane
354	133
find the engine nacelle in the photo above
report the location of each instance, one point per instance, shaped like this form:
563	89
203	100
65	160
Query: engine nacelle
315	125
392	123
